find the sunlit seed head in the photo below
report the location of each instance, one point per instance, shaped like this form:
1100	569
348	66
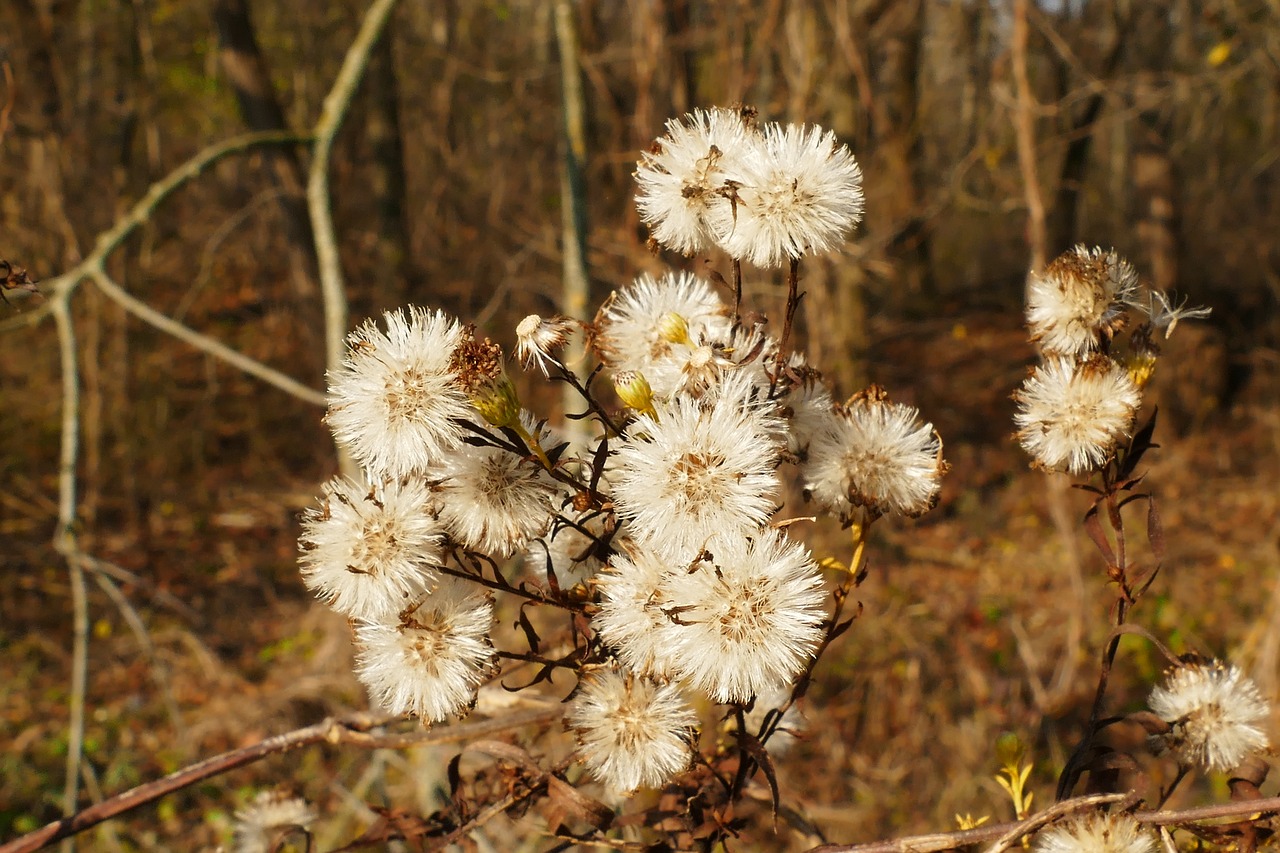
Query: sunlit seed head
369	551
539	338
271	817
431	661
634	602
395	399
798	193
1097	833
874	455
1078	302
633	732
1217	715
1071	416
681	178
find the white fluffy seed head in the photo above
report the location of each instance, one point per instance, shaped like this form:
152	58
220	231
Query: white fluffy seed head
747	615
680	179
634	600
634	326
432	660
798	193
1217	715
393	401
874	455
691	472
1079	300
633	732
1072	416
370	551
495	501
538	339
271	816
1097	833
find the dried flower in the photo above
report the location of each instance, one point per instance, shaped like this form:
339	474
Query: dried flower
1215	712
538	339
747	614
633	732
694	471
1097	833
395	399
1079	301
493	500
799	193
370	551
260	825
1072	416
875	455
681	179
431	662
634	601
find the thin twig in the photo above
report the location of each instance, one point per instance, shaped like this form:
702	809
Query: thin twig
1026	136
353	730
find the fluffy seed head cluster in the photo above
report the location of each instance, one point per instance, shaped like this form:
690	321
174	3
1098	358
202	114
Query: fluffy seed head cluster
874	455
1097	833
1216	715
395	400
765	195
261	824
633	732
1072	415
660	529
1080	402
370	551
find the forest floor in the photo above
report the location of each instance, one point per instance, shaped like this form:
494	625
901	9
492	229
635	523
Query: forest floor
986	617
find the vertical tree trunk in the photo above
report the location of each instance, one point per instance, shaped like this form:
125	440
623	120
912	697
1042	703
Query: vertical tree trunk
246	70
383	128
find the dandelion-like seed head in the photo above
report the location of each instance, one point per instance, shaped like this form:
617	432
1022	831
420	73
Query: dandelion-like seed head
370	551
747	614
395	399
637	327
634	600
259	825
1097	833
1164	316
633	732
1216	715
431	661
1072	416
798	193
539	338
877	456
493	500
680	180
1079	301
694	471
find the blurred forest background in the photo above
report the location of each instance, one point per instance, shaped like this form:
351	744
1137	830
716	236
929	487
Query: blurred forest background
1156	129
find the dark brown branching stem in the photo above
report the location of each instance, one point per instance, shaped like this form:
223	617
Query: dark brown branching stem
793	298
737	290
520	591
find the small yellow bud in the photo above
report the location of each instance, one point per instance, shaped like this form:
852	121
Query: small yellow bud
634	391
673	328
499	403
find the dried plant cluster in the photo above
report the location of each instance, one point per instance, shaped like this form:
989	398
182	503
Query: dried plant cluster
664	587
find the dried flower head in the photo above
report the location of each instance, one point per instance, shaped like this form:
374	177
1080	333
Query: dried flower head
260	825
681	179
875	455
432	660
1079	301
538	339
634	604
370	551
1216	715
395	399
1097	833
494	500
1072	416
747	615
637	327
798	193
632	732
694	471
